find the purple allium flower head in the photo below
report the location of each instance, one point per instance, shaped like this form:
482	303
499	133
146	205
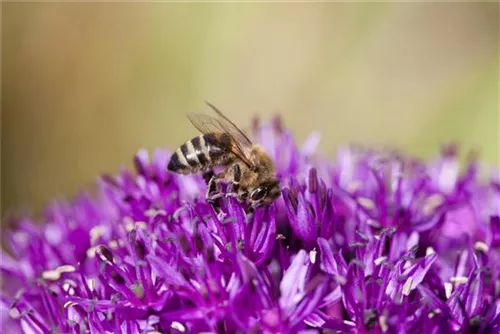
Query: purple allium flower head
374	242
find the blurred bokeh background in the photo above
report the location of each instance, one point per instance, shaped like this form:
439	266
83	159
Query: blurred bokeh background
85	85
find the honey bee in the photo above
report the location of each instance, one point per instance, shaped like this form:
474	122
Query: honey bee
248	169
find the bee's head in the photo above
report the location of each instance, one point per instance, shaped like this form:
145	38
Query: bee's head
265	193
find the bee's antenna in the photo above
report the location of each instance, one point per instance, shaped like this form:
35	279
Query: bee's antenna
210	105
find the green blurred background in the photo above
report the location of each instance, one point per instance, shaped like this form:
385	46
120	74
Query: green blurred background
85	85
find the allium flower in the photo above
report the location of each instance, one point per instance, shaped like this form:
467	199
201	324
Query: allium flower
375	242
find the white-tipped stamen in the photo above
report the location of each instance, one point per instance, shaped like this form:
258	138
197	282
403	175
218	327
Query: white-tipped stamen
14	313
373	223
177	325
68	288
366	203
54	275
448	287
91	252
459	280
19	293
407	286
433	313
129	224
349	323
96	232
429	251
69	304
67	268
312	256
114	244
141	225
341	280
382	320
91	284
481	246
381	259
155	212
51	275
432	203
354	186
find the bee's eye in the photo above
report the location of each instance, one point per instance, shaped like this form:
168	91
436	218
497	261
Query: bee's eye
258	194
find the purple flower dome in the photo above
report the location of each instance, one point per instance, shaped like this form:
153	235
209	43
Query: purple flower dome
373	242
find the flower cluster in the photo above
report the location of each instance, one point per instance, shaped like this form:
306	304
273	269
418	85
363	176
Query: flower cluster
375	242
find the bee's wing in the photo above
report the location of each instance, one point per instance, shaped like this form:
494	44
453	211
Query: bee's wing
231	128
207	124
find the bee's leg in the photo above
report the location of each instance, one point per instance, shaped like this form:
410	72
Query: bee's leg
213	192
207	176
235	182
236	189
243	195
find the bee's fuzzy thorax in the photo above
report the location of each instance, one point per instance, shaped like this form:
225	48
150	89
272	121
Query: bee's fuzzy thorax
262	159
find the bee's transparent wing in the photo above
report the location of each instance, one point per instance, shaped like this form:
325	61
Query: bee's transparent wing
207	124
231	128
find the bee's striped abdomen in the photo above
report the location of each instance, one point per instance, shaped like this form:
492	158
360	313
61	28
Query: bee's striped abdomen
200	148
189	154
216	147
178	163
199	154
